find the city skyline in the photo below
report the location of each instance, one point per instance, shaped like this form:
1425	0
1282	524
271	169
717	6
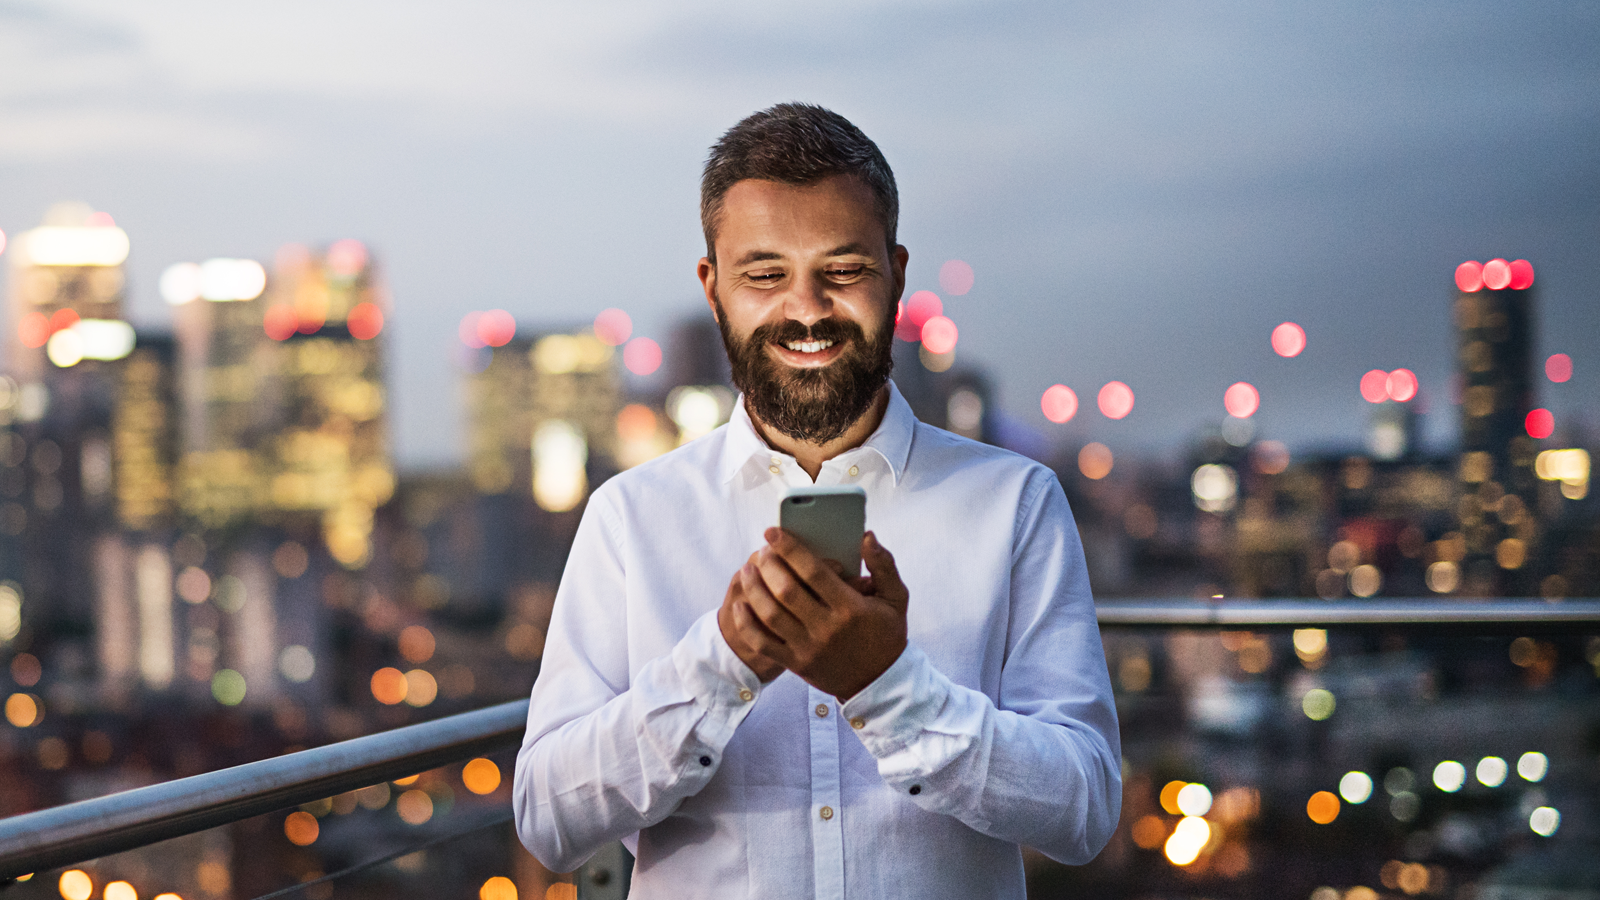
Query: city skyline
1142	196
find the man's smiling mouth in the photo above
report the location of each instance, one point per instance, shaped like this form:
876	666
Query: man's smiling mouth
808	346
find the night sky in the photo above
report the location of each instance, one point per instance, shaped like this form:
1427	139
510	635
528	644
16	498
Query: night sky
1143	191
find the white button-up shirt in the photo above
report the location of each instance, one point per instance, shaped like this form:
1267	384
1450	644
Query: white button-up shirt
995	728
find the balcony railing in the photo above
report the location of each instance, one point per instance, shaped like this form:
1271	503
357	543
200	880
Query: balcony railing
90	829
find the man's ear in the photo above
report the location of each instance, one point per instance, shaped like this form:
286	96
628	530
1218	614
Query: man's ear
900	257
706	271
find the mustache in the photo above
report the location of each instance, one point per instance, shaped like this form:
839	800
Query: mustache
836	330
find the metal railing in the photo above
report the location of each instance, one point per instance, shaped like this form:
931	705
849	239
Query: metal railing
90	829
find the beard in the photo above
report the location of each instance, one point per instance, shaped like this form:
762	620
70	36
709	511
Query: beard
812	405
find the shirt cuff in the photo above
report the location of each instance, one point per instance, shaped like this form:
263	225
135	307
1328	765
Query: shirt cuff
891	712
716	676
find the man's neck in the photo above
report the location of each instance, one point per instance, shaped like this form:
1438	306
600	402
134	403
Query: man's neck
811	456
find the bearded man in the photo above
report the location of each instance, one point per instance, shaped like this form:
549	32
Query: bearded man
755	723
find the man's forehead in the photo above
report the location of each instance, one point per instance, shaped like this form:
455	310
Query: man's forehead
763	219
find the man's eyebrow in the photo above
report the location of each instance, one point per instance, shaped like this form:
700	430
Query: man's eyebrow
850	250
757	256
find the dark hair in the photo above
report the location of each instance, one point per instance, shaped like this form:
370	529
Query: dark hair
795	144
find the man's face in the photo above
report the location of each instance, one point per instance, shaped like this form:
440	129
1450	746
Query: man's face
804	290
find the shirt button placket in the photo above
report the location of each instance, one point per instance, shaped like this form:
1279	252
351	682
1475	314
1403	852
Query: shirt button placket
827	836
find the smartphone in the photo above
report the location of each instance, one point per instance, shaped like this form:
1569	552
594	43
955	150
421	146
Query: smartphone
829	520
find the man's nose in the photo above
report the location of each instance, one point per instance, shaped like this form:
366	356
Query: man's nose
807	301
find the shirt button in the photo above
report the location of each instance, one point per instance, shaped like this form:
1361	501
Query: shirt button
706	761
826	813
822	710
858	723
854	471
774	470
746	694
916	789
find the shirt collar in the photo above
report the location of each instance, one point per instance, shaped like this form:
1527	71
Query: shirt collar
891	440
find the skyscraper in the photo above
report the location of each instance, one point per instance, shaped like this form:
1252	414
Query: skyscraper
1494	312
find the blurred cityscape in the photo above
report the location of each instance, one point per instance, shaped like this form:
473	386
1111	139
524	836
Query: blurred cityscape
208	556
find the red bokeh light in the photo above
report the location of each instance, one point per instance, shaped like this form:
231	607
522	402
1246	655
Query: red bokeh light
62	319
613	327
922	306
1558	368
1116	400
365	321
939	335
311	320
1401	385
100	220
1497	274
1288	340
1469	276
1521	275
1540	424
468	330
496	328
347	257
33	330
1375	386
642	356
279	322
1241	400
955	277
1059	403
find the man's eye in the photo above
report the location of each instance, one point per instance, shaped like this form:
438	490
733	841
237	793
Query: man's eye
845	273
764	276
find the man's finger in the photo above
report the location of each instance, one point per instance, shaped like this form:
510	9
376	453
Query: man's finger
757	637
758	595
824	581
885	575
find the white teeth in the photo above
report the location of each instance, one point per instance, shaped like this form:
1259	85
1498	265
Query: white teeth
809	346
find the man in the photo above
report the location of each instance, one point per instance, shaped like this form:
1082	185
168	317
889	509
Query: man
754	723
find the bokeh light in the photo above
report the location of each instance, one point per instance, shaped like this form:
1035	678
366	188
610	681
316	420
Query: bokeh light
228	687
1492	771
33	330
1401	385
1288	340
1095	461
922	306
496	328
22	710
1323	807
120	890
1355	787
498	888
939	335
1116	400
613	327
1533	766
1318	704
1241	400
1375	386
389	686
280	322
1194	799
1521	275
421	688
642	356
347	258
1469	276
416	643
1188	839
955	277
365	321
1270	457
414	806
1540	424
1558	368
1449	776
481	776
468	330
1497	274
75	884
1544	821
1059	403
301	828
1168	798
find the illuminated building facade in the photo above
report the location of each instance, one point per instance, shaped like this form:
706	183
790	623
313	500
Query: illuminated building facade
1494	313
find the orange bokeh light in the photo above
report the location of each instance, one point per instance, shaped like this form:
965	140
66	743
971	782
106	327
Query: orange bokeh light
1241	400
498	888
389	686
365	321
613	327
481	776
33	330
279	322
1116	400
1323	807
1059	403
1288	340
1149	832
1169	796
416	643
1095	461
301	828
636	422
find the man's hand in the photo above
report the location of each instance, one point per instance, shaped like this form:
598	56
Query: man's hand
794	609
765	669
